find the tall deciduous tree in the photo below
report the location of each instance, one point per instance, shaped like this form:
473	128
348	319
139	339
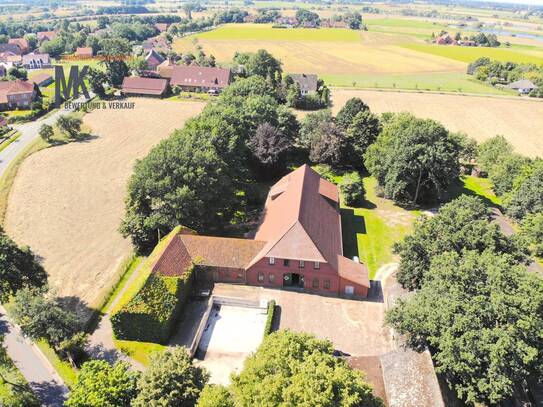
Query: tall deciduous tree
115	51
480	314
100	384
528	198
346	115
459	225
183	181
294	369
41	317
414	160
361	133
19	268
269	147
170	380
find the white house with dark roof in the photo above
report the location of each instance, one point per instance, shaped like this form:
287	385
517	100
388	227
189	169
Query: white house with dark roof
309	83
523	86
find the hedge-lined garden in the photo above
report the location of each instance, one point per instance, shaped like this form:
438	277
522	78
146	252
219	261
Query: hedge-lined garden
269	319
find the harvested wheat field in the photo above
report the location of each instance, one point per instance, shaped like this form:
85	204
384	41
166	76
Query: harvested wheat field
67	202
520	120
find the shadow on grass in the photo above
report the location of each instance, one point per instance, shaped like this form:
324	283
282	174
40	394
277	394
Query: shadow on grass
351	225
458	188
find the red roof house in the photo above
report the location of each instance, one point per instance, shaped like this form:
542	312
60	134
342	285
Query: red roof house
298	244
84	52
200	78
46	35
161	26
133	85
16	94
21	42
153	59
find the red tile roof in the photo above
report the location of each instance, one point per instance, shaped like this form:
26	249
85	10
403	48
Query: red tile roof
186	249
353	271
13	88
200	76
145	86
153	59
300	221
46	35
84	52
21	42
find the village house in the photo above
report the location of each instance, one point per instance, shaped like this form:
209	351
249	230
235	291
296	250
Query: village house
156	43
46	36
13	48
200	78
308	83
333	24
9	59
445	39
298	245
153	60
36	61
16	94
138	86
522	86
21	43
165	69
84	52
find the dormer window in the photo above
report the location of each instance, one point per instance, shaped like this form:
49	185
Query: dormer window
271	260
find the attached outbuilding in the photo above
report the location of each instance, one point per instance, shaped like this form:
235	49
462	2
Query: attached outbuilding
137	86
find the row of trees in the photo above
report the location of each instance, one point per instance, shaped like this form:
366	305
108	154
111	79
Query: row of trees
518	181
476	306
287	369
496	72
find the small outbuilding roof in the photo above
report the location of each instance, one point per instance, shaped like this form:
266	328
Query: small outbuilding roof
42	77
144	86
522	84
84	52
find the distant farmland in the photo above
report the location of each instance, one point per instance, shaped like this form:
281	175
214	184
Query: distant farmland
391	55
519	120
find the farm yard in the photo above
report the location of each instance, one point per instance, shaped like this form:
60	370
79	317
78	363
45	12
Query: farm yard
67	201
518	120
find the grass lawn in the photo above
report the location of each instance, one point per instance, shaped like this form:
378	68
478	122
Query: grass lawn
470	54
483	188
139	351
63	368
370	231
437	81
128	269
9	141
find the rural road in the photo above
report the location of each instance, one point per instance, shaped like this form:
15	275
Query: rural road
39	373
29	132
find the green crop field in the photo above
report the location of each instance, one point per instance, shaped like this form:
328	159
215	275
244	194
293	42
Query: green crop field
470	54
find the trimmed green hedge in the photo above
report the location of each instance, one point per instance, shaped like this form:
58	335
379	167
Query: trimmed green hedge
269	320
150	316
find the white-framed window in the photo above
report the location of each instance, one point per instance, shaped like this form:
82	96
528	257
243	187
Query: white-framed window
326	284
260	277
316	265
271	277
271	260
301	264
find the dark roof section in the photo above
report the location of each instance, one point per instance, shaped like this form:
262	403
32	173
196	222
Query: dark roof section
200	76
307	82
144	86
42	78
522	84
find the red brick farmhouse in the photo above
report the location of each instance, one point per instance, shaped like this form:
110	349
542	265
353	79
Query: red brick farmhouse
298	245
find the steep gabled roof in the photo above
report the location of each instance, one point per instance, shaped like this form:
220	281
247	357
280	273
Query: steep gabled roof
301	219
145	86
307	82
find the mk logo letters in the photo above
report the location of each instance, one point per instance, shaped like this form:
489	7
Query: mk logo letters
63	91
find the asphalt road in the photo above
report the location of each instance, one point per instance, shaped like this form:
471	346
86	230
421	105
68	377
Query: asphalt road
37	370
29	132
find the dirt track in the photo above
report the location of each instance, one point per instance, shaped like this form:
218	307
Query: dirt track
67	201
520	120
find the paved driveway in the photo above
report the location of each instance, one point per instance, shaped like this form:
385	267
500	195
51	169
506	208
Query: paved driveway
354	327
39	373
